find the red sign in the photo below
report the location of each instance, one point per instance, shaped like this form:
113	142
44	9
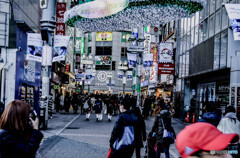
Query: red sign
166	68
60	26
68	68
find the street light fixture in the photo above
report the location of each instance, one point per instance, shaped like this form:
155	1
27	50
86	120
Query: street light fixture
123	66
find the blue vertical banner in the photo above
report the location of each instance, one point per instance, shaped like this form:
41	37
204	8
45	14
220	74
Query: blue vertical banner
132	60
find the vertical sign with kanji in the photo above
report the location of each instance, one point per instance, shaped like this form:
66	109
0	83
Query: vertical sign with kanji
60	26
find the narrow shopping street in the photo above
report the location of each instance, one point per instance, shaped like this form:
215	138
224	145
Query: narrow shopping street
70	135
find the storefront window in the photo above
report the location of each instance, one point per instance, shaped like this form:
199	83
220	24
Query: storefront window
217	21
223	53
192	22
205	29
212	6
216	52
211	25
224	18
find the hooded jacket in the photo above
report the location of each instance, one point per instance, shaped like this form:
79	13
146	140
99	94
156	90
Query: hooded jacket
229	124
164	115
210	117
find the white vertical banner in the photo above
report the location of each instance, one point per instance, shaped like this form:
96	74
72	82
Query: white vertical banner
60	47
112	83
147	60
34	47
233	11
120	75
47	55
132	60
165	52
129	75
153	73
147	42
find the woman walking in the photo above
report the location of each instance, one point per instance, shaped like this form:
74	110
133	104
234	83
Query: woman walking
163	121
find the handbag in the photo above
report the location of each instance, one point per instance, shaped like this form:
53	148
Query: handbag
109	153
167	135
126	140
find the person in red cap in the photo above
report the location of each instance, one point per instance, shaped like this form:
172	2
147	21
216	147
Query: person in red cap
204	140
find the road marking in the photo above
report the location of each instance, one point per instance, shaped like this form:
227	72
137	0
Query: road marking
86	135
58	133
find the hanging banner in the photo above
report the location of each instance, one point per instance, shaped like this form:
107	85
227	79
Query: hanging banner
147	60
60	25
89	74
29	71
129	75
60	47
165	52
233	11
112	83
34	47
147	43
120	75
132	60
154	68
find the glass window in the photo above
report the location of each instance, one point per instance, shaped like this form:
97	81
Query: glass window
206	10
185	26
182	27
223	53
217	21
188	40
205	29
192	38
188	24
218	4
192	22
212	6
224	18
216	52
180	66
211	25
196	35
196	18
187	63
200	28
201	15
103	50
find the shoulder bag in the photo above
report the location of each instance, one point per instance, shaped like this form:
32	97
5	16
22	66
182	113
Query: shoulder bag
167	135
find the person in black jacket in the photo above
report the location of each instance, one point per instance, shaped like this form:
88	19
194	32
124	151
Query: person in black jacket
19	134
158	128
127	120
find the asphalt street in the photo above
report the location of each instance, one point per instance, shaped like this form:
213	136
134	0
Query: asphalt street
71	136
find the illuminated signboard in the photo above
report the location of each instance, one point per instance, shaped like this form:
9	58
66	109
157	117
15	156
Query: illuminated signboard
104	36
82	45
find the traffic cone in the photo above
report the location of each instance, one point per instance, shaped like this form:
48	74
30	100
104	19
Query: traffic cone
187	117
193	119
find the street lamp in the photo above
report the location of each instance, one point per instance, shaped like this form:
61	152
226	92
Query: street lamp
123	66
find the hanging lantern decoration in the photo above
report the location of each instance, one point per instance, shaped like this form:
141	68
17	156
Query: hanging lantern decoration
113	15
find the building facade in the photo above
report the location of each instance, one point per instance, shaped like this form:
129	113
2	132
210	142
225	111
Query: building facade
204	54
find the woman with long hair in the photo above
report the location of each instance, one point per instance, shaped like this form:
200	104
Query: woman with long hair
163	121
19	134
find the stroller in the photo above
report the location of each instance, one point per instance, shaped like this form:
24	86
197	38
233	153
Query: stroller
151	141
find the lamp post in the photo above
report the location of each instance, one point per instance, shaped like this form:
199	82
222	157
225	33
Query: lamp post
123	67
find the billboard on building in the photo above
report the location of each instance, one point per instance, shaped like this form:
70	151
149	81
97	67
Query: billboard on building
165	52
166	68
60	26
104	36
125	36
60	47
103	60
34	47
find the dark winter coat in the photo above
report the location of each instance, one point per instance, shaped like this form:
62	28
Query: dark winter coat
128	118
210	117
165	115
12	146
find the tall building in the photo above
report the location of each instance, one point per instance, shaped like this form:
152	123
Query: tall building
204	54
20	78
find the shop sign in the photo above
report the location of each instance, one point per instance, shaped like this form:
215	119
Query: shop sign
222	87
60	26
125	37
166	68
154	68
104	36
135	49
147	43
145	83
165	52
87	62
68	67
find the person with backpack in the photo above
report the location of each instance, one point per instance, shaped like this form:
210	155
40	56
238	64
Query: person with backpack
162	124
98	109
125	134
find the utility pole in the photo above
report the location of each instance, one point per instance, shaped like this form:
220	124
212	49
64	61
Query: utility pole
48	24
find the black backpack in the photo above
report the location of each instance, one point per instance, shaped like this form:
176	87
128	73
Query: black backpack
98	105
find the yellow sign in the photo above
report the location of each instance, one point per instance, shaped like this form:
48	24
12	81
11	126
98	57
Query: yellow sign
104	36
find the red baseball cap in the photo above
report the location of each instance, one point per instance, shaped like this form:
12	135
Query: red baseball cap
202	136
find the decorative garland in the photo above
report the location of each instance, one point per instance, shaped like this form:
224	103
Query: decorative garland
138	12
